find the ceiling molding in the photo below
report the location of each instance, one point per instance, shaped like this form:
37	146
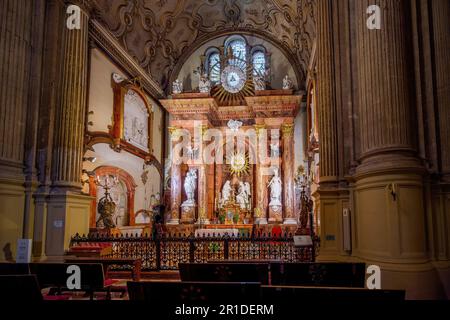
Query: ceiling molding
109	44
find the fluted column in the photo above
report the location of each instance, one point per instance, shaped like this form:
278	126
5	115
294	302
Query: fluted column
326	95
389	181
440	13
175	181
384	106
15	43
70	114
260	214
288	172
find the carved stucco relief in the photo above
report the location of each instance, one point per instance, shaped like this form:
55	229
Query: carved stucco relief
159	33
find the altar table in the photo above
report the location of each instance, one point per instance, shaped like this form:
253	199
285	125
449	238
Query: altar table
217	232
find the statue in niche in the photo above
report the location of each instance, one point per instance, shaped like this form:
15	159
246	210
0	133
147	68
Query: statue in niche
226	192
177	87
274	150
287	83
204	84
275	189
190	184
243	197
259	83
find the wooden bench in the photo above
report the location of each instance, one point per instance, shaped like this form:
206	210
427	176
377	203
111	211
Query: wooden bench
9	268
225	272
351	275
54	276
19	288
108	262
293	294
176	293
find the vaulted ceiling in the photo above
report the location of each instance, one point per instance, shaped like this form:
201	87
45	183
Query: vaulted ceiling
161	34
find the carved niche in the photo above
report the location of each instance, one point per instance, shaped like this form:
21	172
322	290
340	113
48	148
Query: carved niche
132	119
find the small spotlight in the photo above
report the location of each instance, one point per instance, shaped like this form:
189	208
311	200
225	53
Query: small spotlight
90	159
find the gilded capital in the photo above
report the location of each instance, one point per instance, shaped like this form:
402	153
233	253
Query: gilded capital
258	128
287	129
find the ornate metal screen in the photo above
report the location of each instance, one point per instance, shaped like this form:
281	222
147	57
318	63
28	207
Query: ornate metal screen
167	252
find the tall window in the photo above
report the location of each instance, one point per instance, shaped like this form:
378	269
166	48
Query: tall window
214	67
259	63
239	49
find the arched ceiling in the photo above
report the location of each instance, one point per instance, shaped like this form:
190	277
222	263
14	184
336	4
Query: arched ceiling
159	34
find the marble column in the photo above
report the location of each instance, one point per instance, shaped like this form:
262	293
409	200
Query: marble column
202	212
203	185
68	210
260	214
175	181
288	173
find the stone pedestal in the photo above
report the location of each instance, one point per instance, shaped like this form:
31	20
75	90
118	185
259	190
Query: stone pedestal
275	214
68	214
187	213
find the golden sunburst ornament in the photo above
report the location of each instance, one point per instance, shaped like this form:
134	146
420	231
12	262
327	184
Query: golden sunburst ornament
239	164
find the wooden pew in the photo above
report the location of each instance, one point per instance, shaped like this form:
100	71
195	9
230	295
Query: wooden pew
9	268
19	288
350	275
176	293
293	294
54	275
225	272
108	262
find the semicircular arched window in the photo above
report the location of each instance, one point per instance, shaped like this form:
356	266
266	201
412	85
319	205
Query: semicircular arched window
259	63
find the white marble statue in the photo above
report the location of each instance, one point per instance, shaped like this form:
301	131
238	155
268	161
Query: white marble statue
190	184
275	189
226	192
234	125
259	83
242	197
274	150
204	84
177	87
287	83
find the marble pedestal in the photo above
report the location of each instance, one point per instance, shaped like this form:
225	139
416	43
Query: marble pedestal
275	214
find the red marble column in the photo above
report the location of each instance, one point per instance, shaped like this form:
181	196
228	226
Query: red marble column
260	214
175	183
288	172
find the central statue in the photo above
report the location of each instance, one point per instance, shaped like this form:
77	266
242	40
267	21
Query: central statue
190	184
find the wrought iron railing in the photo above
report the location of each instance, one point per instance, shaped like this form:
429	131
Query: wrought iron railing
167	252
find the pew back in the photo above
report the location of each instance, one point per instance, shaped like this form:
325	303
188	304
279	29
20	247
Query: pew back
225	272
351	275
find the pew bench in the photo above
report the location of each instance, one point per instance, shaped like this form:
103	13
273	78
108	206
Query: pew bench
109	262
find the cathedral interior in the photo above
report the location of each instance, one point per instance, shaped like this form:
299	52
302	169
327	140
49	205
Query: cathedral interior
172	125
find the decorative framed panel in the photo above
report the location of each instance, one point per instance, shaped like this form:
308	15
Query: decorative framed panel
132	118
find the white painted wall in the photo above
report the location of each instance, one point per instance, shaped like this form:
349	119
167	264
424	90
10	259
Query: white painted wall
101	103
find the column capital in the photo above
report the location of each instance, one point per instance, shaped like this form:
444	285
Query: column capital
258	128
287	129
